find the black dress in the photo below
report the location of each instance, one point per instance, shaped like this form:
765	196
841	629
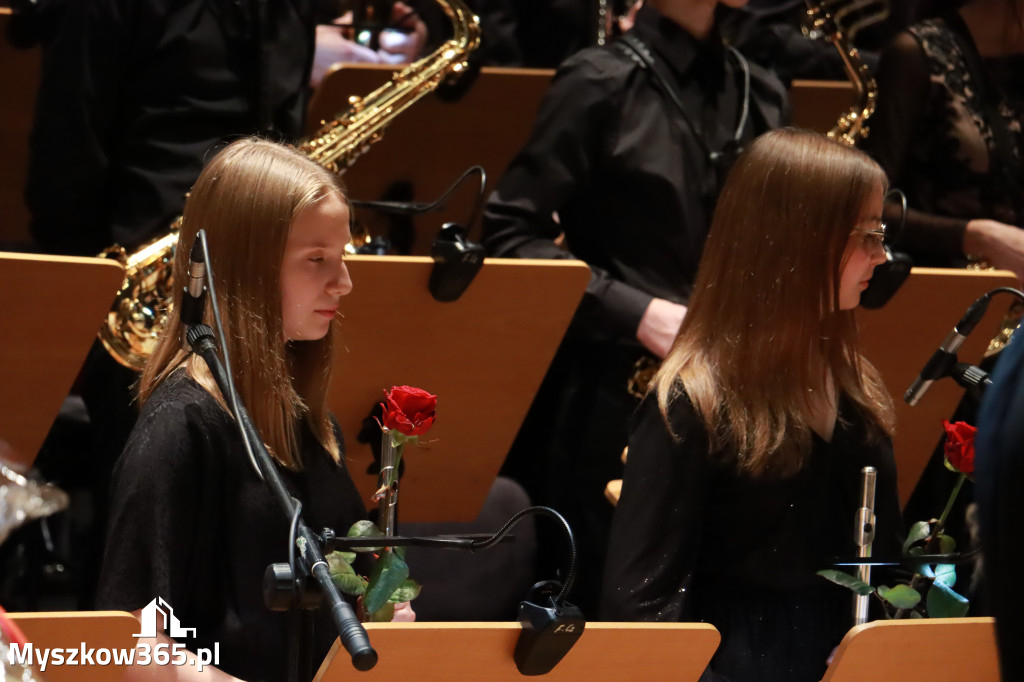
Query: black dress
192	522
933	137
695	540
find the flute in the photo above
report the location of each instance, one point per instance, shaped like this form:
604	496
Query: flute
863	536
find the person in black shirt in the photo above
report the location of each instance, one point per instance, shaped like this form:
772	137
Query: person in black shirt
745	459
624	161
133	96
191	520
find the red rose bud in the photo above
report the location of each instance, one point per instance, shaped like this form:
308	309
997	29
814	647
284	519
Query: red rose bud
409	410
959	448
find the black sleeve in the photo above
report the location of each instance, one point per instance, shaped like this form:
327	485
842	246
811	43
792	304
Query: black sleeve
70	146
578	116
154	511
656	531
903	84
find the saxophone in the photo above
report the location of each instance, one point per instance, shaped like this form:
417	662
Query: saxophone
838	27
141	305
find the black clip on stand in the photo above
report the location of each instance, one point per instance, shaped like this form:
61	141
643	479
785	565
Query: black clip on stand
311	560
456	262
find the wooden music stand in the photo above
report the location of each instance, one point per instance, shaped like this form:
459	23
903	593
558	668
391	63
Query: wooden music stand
441	652
94	629
483	355
900	337
435	141
51	308
932	649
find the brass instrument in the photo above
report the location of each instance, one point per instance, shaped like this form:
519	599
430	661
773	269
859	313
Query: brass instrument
140	308
838	23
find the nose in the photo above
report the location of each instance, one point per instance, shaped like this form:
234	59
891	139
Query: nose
878	255
341	283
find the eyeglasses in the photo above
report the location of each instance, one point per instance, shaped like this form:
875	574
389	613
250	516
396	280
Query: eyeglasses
871	238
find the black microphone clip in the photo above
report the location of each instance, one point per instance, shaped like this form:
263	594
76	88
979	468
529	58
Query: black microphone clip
456	262
548	634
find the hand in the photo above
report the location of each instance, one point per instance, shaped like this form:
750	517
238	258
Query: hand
404	45
1002	245
404	613
660	325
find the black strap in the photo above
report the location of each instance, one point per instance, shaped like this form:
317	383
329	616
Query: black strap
988	97
635	48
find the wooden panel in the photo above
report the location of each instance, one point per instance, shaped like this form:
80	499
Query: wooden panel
900	338
935	649
817	105
483	355
435	141
96	630
441	652
50	311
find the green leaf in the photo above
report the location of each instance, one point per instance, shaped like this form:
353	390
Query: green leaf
847	581
900	596
926	571
945	574
946	544
344	576
918	532
407	591
945	603
389	571
384	614
365	529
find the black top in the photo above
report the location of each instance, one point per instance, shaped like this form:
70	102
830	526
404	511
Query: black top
999	471
135	95
696	540
931	134
628	177
192	522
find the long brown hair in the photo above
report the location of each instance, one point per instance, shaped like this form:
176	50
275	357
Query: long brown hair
246	199
764	324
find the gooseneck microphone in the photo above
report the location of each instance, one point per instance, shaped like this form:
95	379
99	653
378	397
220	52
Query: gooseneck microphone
193	298
944	359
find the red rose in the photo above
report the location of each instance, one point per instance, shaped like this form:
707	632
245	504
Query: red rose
409	410
960	446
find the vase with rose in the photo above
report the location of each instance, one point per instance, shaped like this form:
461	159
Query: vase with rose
407	413
929	590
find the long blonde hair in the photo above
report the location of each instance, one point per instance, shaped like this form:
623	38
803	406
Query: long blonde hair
246	199
764	324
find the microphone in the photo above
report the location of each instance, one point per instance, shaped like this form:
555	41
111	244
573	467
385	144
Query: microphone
193	299
944	359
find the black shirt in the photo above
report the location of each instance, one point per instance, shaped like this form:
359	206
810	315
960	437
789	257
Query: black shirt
629	178
135	95
192	522
694	539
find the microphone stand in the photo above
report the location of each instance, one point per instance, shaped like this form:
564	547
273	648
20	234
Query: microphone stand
311	561
863	537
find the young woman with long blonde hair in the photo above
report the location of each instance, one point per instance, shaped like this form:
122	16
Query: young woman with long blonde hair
744	461
192	522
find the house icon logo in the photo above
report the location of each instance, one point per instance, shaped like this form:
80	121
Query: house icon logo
159	613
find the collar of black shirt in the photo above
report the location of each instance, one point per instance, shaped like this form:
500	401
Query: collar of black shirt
678	48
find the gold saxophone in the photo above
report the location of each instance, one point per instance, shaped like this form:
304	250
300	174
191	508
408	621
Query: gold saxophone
141	305
838	23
